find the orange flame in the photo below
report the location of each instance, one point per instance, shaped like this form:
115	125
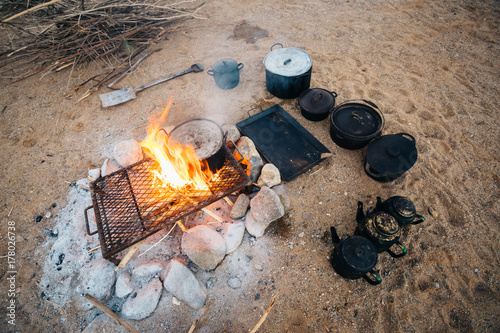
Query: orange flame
178	166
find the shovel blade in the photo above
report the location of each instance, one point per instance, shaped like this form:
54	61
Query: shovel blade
117	97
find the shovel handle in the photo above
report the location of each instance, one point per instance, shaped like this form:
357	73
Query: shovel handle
194	68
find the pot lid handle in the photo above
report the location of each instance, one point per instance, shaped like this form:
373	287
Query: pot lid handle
275	45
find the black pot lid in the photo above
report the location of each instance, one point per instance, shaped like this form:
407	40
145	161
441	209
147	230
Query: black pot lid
404	207
289	61
359	253
225	66
317	100
357	120
392	154
385	223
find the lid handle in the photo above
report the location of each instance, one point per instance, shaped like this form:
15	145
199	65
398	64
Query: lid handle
287	61
316	98
275	45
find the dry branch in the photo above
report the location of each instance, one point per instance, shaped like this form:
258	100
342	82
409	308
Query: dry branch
111	314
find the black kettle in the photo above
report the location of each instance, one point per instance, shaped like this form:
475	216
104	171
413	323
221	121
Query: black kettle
354	257
381	229
401	208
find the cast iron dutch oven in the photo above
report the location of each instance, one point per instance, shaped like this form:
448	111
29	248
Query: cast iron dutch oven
390	156
316	103
381	229
206	137
353	124
354	257
288	71
402	209
226	73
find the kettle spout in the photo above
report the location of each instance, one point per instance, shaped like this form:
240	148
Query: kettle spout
335	236
360	215
379	204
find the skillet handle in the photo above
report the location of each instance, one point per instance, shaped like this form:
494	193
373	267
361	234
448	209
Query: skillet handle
257	107
87	221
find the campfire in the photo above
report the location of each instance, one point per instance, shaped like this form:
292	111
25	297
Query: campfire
168	184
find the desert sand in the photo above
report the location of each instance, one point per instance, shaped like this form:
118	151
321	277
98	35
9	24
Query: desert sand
431	66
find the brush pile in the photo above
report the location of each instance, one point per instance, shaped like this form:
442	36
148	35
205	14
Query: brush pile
41	36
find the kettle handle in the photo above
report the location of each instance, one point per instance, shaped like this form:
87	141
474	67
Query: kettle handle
404	251
240	66
374	279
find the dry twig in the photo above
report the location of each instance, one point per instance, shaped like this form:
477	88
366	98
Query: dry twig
111	314
264	316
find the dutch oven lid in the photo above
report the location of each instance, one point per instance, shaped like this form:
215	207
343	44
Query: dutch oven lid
225	66
385	223
317	100
392	154
289	61
359	253
357	119
404	207
204	135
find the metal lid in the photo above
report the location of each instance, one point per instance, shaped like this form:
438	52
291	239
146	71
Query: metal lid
204	135
357	120
225	65
385	224
317	100
404	207
392	155
289	61
359	253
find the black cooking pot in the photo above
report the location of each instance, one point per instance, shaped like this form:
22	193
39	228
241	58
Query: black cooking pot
402	209
381	229
354	257
390	156
316	103
207	139
288	71
355	123
226	73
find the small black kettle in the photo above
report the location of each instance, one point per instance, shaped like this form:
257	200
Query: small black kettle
354	257
402	209
381	229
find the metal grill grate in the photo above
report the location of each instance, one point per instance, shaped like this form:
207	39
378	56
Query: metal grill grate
128	207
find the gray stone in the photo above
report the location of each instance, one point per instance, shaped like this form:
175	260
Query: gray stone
103	323
247	148
234	282
127	152
109	166
240	207
204	246
148	269
83	183
283	192
253	227
183	284
96	279
265	208
123	286
269	176
233	133
143	304
256	165
232	233
95	173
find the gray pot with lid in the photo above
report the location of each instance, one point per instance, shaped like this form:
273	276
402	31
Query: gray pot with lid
226	73
288	71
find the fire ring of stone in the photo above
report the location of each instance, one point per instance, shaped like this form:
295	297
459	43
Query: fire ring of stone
204	246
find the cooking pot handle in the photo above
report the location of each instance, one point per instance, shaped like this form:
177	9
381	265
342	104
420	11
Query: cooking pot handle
210	72
418	219
257	107
239	152
404	251
87	222
275	45
407	136
240	66
371	103
374	279
333	93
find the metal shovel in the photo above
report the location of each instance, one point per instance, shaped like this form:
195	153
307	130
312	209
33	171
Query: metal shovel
127	94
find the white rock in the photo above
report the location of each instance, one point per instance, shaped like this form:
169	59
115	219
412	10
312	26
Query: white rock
148	269
204	246
283	192
109	166
143	304
96	279
175	301
183	284
232	233
240	207
265	208
127	152
234	282
253	227
123	286
95	173
247	148
269	176
83	183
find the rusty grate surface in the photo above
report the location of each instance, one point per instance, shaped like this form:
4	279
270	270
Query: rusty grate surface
129	206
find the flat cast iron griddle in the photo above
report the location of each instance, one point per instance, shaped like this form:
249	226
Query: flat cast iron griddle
283	141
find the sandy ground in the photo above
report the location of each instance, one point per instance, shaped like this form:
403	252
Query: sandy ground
431	66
